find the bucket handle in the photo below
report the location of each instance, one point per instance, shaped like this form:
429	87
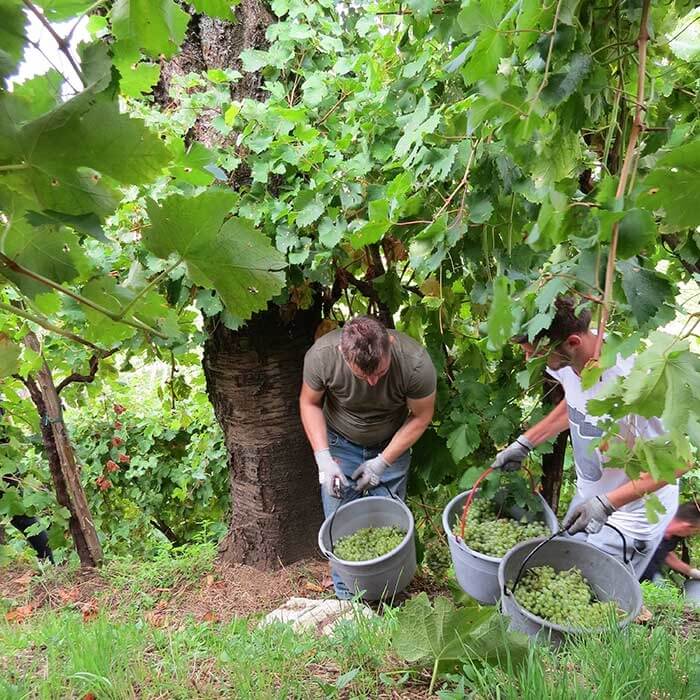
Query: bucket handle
547	541
342	502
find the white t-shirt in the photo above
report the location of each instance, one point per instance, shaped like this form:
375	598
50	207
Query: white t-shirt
592	477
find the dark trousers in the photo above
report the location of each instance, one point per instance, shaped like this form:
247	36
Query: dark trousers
39	542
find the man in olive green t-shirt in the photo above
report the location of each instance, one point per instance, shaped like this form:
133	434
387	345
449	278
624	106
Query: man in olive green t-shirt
368	395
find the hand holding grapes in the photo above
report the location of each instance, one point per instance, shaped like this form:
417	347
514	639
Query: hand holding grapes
589	516
369	473
511	458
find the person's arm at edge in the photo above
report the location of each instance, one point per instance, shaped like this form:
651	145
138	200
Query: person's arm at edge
555	422
312	418
416	424
634	490
677	564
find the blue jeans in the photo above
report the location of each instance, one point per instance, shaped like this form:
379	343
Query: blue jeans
349	456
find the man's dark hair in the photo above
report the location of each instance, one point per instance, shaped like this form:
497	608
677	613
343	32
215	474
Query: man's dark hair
689	513
364	342
564	323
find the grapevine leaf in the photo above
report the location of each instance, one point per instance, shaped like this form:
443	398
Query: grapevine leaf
483	18
231	257
61	10
646	290
636	232
664	383
685	37
389	288
34	97
436	634
560	86
421	8
66	150
154	27
12	24
223	9
49	251
500	319
84	223
463	440
9	356
673	186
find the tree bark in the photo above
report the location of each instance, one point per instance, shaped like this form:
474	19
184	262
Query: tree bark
553	463
62	464
254	374
253	379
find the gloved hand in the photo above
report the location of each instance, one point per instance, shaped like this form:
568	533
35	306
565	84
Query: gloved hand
511	458
694	574
329	473
370	472
590	516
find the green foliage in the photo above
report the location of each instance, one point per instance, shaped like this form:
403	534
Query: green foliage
455	163
229	256
442	635
155	475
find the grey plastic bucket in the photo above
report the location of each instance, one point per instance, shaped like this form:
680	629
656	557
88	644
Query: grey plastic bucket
609	578
385	576
692	592
477	573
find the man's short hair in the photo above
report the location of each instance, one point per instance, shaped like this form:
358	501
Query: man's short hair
364	342
565	323
689	513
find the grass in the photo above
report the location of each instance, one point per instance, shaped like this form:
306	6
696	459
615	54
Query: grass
120	655
61	656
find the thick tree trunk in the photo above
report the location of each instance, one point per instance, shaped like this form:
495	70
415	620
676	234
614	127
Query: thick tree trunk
553	464
253	380
254	374
62	464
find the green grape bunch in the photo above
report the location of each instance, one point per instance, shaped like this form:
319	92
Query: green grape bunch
564	598
492	534
368	543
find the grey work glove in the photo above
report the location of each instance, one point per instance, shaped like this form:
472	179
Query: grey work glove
329	474
369	473
694	574
590	516
511	458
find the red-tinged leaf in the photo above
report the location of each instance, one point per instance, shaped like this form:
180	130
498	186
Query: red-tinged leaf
90	610
19	614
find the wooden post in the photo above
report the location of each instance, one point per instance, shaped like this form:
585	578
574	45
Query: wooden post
64	470
553	463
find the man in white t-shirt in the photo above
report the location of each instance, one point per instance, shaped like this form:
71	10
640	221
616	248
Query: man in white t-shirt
603	494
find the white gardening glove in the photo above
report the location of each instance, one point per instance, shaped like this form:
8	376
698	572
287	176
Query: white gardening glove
694	574
370	472
329	474
511	458
590	516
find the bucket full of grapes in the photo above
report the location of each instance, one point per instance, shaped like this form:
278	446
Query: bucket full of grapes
495	523
563	586
370	543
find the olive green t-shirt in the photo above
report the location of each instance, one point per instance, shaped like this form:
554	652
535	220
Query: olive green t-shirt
368	415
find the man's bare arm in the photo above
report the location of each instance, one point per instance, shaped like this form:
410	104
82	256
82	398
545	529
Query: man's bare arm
416	424
312	418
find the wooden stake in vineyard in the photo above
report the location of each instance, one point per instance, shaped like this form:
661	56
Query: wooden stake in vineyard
61	458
